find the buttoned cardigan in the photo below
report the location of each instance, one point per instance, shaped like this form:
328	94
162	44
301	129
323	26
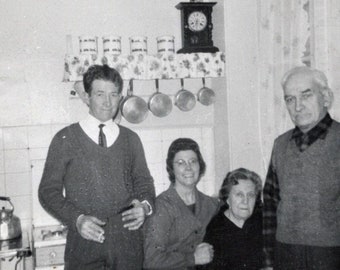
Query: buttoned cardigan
174	231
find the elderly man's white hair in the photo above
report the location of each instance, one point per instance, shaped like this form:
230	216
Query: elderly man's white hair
318	77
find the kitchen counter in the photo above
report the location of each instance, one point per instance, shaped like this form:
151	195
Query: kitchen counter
19	247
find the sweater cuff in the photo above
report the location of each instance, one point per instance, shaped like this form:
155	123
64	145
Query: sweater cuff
149	207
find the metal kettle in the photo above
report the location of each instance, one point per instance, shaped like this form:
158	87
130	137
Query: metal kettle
10	226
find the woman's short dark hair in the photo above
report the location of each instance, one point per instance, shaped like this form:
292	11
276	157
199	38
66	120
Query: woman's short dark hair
183	144
232	179
105	73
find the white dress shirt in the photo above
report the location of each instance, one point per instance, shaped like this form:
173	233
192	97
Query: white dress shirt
90	126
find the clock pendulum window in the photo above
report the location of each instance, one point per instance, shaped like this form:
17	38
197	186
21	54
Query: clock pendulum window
196	24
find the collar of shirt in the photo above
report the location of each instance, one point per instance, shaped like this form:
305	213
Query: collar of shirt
303	140
90	127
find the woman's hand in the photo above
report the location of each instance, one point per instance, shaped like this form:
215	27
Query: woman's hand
134	217
204	253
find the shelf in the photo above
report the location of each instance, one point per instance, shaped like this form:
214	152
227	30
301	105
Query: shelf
149	67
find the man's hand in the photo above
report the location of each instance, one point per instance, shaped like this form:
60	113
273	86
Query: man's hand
89	227
135	216
204	253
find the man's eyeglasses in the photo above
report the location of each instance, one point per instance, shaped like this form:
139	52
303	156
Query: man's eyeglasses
183	164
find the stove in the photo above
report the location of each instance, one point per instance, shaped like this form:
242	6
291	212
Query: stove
48	234
49	246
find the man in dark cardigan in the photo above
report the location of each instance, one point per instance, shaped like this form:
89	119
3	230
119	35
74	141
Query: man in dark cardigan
302	189
109	191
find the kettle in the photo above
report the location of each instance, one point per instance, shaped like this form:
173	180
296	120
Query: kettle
10	226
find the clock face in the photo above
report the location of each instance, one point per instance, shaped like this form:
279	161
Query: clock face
197	21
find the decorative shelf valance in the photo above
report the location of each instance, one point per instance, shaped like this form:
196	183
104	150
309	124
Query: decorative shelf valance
148	67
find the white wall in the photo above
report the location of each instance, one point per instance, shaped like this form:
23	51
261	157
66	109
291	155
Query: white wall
241	79
33	45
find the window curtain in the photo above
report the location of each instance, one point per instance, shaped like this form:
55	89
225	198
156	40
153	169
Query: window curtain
283	42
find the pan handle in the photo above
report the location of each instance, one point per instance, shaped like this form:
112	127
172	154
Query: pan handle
157	85
182	83
130	88
203	81
3	198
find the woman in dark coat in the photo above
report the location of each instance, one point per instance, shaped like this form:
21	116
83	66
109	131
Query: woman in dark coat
236	231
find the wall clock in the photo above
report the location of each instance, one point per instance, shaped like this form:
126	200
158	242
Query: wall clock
196	27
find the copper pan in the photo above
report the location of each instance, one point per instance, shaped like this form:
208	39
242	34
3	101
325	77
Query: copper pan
133	108
184	99
205	95
160	104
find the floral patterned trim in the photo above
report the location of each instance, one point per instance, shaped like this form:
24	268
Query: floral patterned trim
147	67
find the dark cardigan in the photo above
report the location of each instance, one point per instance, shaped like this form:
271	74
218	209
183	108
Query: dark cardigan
174	231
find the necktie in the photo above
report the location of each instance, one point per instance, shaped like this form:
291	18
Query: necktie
304	143
101	137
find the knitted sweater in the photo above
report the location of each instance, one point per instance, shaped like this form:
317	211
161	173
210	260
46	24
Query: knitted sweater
309	208
98	181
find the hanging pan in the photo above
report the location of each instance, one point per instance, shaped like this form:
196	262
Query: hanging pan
205	95
134	109
160	104
184	99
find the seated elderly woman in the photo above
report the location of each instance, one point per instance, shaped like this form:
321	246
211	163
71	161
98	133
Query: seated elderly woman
236	231
173	235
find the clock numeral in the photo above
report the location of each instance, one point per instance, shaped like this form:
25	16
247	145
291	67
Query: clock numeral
197	21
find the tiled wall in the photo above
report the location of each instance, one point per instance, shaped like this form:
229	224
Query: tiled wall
18	147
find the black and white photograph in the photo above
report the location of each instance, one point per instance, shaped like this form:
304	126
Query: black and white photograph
170	135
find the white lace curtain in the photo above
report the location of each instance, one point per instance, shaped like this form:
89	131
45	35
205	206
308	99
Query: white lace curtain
284	31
